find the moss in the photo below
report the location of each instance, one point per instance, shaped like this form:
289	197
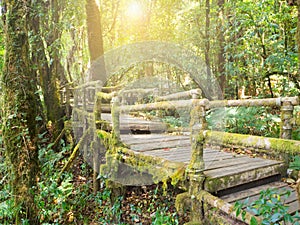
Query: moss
103	125
104	96
274	146
183	202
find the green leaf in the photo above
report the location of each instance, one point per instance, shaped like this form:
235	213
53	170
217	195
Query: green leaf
38	118
275	217
253	221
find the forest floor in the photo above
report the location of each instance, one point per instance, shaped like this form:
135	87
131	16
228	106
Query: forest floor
139	205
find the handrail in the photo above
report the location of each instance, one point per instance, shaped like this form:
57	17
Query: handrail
253	102
272	102
286	103
185	94
164	105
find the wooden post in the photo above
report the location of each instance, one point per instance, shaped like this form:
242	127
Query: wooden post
287	109
68	105
85	122
196	166
96	146
115	114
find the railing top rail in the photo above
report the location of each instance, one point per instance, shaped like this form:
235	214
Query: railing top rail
253	102
91	85
179	95
273	102
164	105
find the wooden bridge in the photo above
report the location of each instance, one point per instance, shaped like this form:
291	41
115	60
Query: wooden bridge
140	151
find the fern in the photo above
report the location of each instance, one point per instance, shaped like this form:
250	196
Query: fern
295	165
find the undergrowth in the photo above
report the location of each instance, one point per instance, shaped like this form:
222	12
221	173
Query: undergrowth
73	201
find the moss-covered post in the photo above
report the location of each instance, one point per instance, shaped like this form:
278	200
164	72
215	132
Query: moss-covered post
96	146
287	109
115	114
196	166
85	120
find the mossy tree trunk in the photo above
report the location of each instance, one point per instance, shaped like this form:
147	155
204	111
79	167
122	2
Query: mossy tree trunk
51	70
21	112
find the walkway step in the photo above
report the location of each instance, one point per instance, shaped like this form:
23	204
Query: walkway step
253	194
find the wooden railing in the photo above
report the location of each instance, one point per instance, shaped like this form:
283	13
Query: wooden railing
285	104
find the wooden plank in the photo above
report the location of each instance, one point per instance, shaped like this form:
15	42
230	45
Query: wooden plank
251	192
218	164
213	159
215	183
236	169
154	146
293	207
140	139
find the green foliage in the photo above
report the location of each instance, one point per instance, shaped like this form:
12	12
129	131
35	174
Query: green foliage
175	122
252	120
261	42
108	213
270	207
162	217
295	164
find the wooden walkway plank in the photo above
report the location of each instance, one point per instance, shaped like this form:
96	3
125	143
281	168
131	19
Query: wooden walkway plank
159	145
236	169
142	139
251	192
217	183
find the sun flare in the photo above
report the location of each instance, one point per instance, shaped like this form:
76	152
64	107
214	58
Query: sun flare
135	10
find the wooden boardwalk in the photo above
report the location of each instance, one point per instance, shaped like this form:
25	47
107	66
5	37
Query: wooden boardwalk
230	176
226	175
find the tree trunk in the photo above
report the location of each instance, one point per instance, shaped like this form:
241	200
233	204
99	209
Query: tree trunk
207	45
50	72
21	112
221	53
96	50
95	40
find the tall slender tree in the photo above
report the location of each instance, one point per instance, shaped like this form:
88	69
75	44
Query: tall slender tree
22	111
221	43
